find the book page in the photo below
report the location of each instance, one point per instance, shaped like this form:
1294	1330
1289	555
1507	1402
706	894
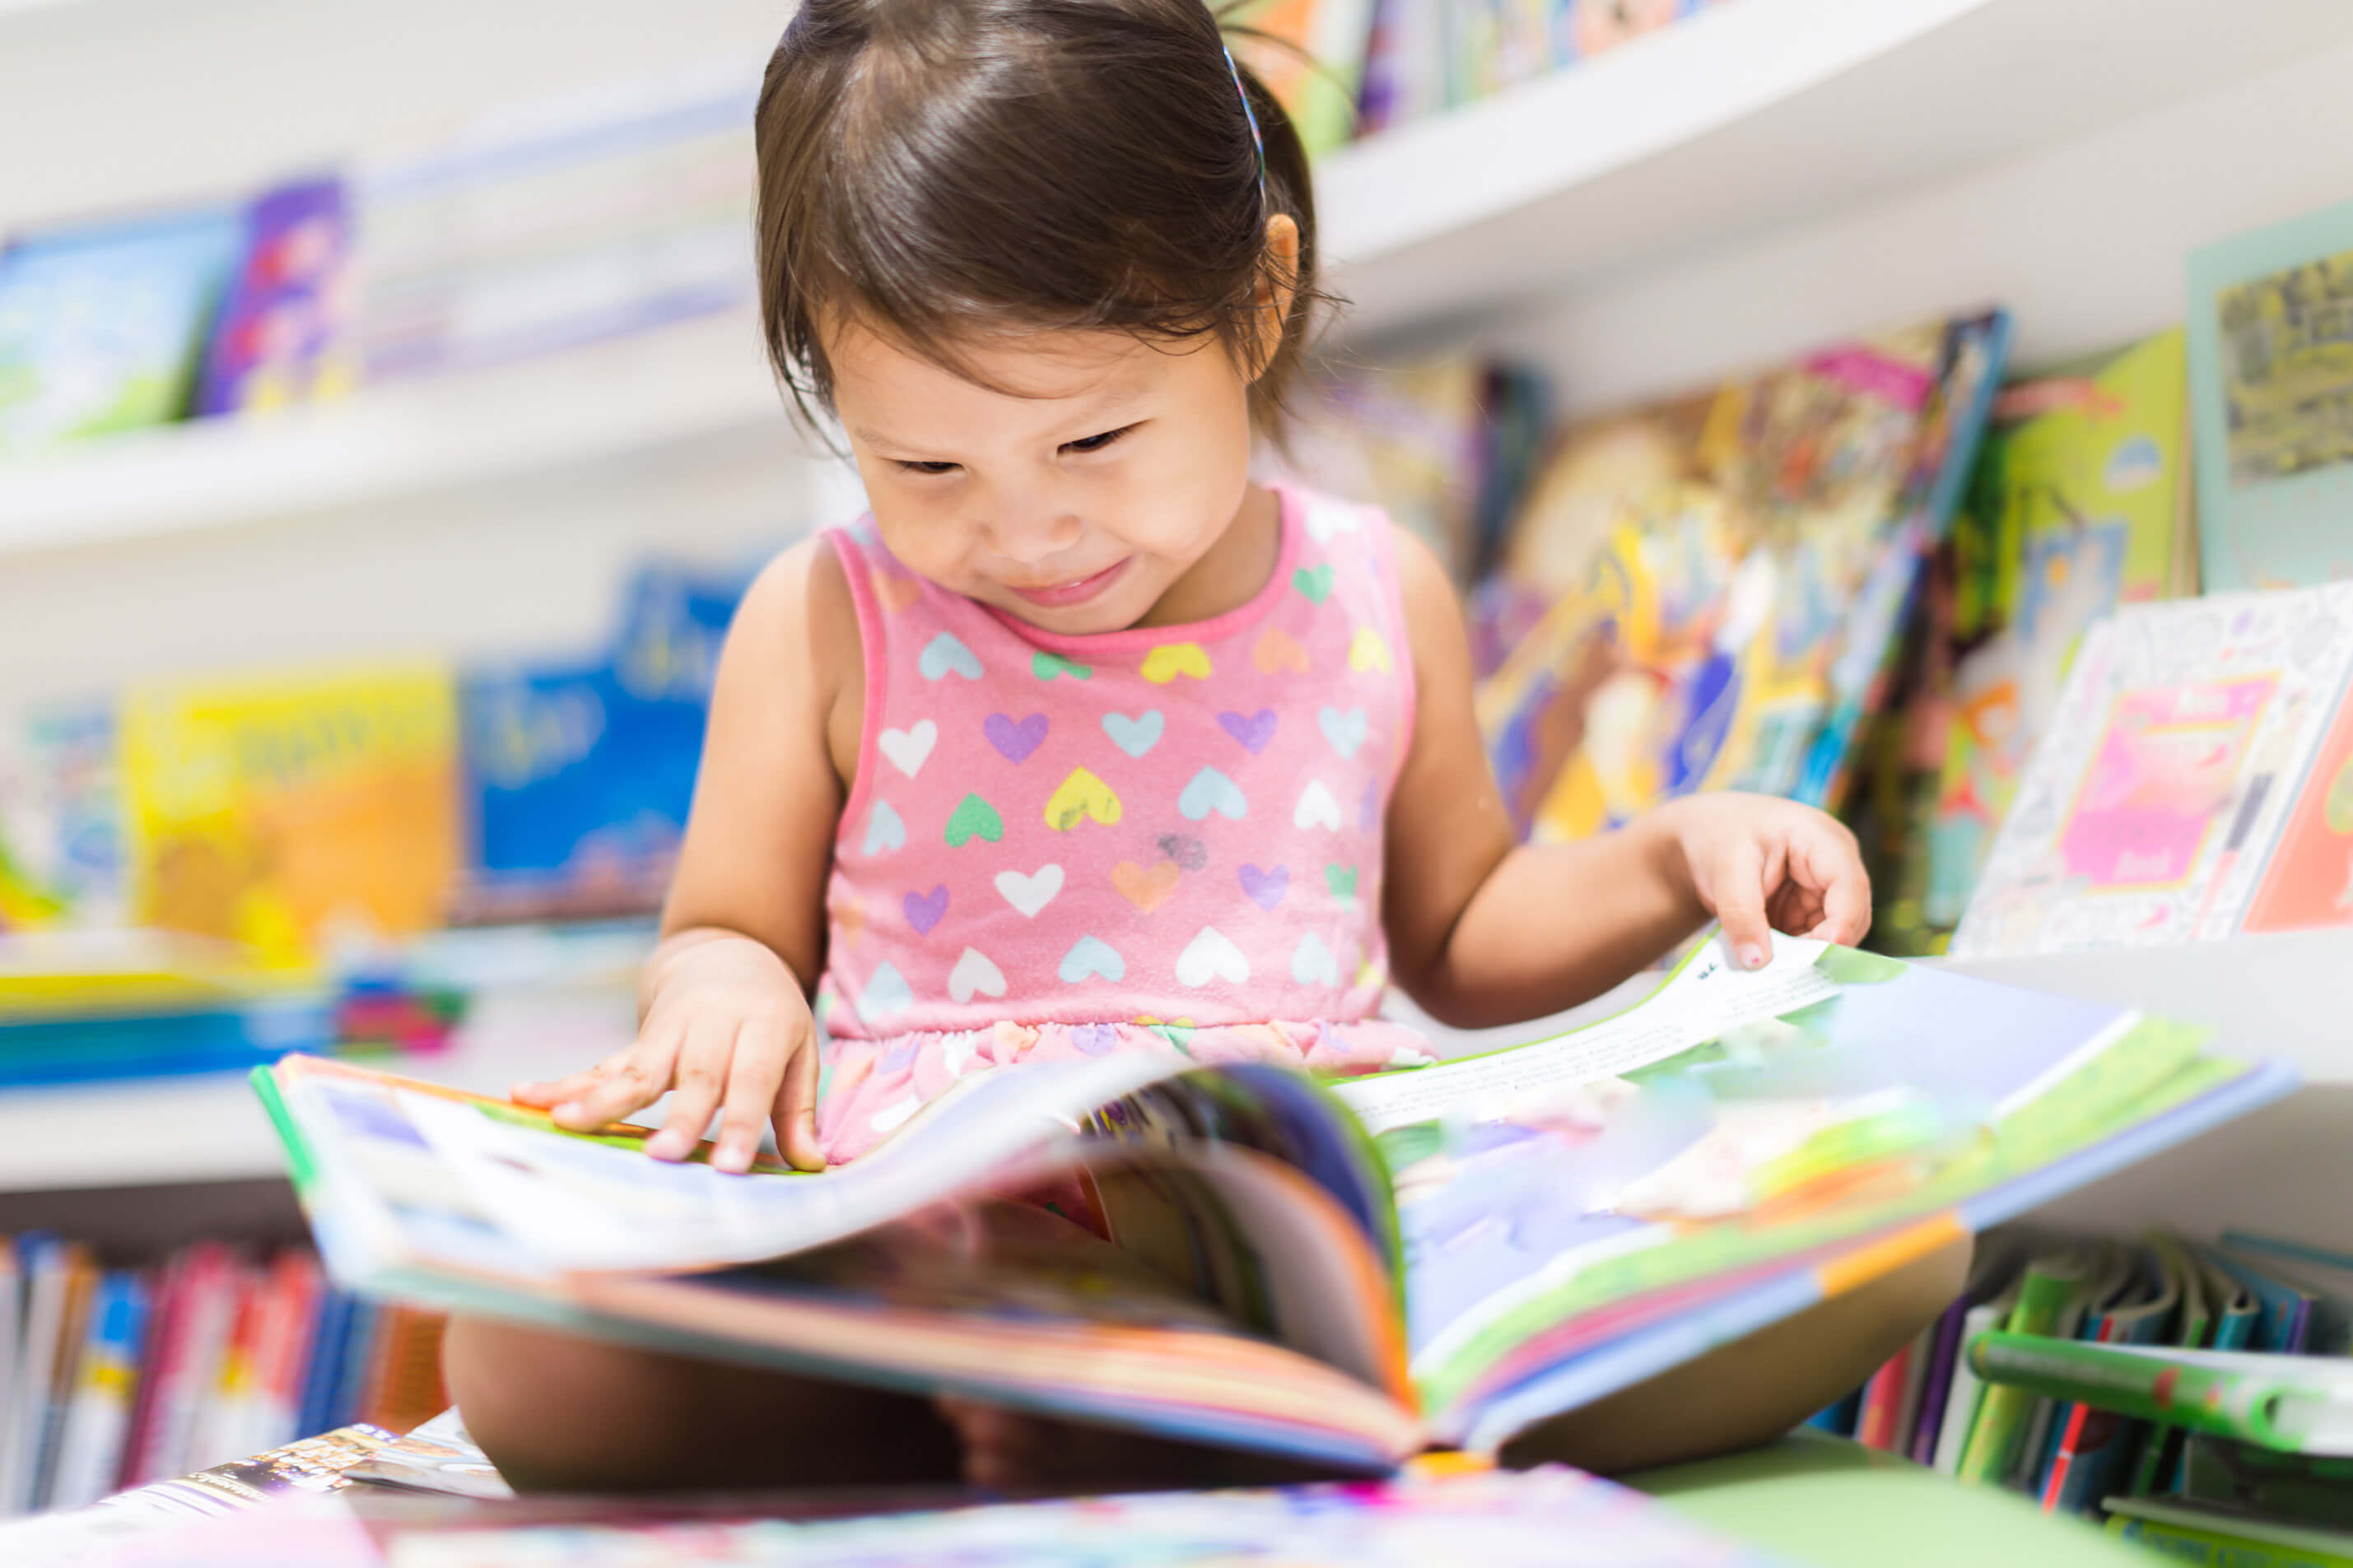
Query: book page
1708	996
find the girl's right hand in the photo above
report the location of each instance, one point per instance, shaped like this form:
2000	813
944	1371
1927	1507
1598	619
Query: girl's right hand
730	1030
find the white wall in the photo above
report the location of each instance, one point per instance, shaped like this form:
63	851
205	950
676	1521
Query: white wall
2084	242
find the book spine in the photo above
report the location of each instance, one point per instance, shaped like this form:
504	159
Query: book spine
1882	1399
2227	1401
2005	1411
1937	1392
2185	1544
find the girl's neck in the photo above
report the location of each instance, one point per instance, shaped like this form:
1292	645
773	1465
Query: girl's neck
1230	573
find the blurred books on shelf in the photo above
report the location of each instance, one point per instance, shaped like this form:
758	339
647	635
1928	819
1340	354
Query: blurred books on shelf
2190	785
2198	1386
2272	393
558	221
103	326
550	223
114	1377
1445	444
1738	567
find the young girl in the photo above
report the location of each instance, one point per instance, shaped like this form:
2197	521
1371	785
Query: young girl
1082	742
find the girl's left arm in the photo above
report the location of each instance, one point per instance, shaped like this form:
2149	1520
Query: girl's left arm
1483	930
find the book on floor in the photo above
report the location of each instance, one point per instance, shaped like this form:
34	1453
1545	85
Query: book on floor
1347	1271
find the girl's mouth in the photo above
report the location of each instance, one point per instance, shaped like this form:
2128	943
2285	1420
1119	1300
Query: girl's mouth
1078	591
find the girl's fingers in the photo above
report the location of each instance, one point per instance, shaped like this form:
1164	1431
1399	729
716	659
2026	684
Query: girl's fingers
795	1113
753	1077
555	1091
700	1080
637	1079
1834	868
1737	886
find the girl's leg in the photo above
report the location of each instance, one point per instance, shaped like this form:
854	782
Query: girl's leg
1754	1390
557	1413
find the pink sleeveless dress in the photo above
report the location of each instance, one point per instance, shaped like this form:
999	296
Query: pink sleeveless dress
1162	839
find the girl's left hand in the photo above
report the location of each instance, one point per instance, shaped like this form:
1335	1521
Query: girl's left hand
1761	864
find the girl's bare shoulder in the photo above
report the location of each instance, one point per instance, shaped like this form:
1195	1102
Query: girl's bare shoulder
796	633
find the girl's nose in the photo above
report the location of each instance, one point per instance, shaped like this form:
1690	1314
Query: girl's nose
1028	534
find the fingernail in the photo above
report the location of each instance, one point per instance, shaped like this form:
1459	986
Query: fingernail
1751	956
666	1146
732	1157
566	1112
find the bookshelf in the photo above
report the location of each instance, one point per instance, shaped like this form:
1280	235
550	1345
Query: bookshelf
1740	121
209	1127
702	378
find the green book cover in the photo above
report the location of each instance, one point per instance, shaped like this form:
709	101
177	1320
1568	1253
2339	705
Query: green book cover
2200	1535
2295	1403
2053	1285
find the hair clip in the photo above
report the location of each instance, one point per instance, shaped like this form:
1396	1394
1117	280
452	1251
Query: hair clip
1257	141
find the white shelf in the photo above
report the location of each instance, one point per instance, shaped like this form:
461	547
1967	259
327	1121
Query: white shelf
211	1127
696	379
1759	114
1752	115
2287	996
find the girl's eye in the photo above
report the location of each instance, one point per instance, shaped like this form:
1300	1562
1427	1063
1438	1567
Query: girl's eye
925	468
1096	443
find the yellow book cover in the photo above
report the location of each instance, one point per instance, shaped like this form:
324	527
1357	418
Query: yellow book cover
281	813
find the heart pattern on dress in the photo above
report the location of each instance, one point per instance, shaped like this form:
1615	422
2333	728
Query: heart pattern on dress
1209	956
1137	735
1317	809
1311	963
1344	731
1033	893
884	996
1265	889
1077	797
974	818
1091	958
947	653
974	976
1169	660
1210	790
924	910
1146	888
1015	739
909	748
885	830
1250	732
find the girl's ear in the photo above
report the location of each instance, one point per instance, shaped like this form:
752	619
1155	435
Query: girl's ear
1277	282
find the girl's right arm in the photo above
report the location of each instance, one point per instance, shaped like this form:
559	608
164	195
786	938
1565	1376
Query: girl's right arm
723	1002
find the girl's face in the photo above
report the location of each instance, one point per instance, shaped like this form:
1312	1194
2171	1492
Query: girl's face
1071	480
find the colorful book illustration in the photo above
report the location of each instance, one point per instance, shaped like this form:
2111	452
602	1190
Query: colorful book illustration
60	820
286	815
103	328
1311	56
2155	801
2298	1405
1737	603
283	335
2078	505
2210	1535
1326	1276
579	776
2271	388
2310	882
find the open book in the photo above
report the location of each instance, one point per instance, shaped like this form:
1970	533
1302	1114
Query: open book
1343	1271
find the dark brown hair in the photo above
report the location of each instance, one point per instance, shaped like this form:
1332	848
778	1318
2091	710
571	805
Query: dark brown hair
934	167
